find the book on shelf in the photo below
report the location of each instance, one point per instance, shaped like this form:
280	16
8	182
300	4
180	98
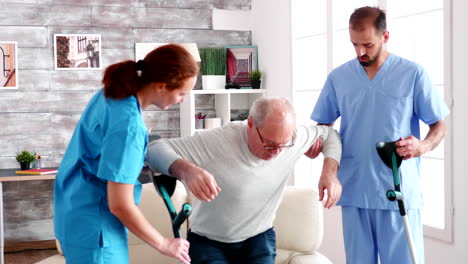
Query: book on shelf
37	171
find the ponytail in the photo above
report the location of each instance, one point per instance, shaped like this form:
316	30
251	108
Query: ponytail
121	80
170	64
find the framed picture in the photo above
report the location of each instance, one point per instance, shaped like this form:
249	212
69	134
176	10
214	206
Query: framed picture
240	61
9	65
77	51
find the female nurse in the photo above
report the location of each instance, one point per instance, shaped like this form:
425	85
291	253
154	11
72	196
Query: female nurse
96	189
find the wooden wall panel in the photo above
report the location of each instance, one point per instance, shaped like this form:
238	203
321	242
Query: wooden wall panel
34	80
35	59
33	230
151	17
28	190
27	37
211	4
203	38
200	4
162	120
76	80
45	15
44	102
24	123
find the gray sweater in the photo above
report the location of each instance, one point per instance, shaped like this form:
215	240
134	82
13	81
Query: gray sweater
251	188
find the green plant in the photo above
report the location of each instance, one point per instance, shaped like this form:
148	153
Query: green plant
213	61
255	75
25	156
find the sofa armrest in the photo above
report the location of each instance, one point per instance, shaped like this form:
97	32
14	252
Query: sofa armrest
299	220
315	258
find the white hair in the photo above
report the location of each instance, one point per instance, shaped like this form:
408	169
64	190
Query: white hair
263	107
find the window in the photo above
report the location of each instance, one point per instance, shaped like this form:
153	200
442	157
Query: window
320	42
81	41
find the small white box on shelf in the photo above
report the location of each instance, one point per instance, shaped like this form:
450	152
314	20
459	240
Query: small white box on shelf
213	82
212	122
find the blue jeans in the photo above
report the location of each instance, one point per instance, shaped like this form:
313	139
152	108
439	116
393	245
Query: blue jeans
259	249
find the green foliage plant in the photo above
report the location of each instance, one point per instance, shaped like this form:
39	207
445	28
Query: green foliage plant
213	61
25	156
255	75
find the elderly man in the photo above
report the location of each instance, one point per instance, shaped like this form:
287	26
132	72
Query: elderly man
250	161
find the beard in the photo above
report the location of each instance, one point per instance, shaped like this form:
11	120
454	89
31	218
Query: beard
370	60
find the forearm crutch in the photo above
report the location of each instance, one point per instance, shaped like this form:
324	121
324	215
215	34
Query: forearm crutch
165	185
388	154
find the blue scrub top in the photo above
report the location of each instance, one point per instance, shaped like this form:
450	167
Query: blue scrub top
383	109
109	144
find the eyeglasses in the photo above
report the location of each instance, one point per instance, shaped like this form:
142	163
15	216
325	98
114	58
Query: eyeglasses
266	147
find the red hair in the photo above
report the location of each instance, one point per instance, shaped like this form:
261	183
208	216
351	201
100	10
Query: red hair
170	64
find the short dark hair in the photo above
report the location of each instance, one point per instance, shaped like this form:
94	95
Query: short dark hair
363	14
170	64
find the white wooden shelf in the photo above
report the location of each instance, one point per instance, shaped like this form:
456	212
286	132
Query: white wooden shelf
223	104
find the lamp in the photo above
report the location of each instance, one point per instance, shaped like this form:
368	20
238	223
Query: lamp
5	71
193	50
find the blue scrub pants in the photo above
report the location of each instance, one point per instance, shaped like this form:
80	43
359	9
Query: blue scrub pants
370	234
101	255
259	249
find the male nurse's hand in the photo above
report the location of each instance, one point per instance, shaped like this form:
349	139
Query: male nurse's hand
199	181
315	149
409	147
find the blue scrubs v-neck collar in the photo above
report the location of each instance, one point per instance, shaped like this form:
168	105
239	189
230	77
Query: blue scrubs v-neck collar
380	73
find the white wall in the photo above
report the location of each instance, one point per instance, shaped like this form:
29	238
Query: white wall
272	34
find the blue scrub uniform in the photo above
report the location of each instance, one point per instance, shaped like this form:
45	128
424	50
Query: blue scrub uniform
382	109
109	144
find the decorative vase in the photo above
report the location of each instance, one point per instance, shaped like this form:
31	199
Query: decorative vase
25	165
255	84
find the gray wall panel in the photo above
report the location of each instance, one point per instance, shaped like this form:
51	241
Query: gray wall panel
151	17
34	80
27	37
44	15
203	38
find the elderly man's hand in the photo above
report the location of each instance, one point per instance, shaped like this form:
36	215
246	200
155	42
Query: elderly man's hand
199	181
329	182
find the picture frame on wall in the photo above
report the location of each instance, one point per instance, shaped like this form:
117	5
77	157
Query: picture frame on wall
77	51
240	61
9	65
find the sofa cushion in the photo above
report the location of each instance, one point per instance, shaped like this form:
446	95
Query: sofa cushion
298	223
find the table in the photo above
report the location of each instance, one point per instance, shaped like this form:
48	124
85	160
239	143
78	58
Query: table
9	175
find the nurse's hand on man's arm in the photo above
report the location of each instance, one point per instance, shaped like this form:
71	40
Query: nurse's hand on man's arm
315	149
200	182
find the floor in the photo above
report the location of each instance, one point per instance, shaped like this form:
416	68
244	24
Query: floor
29	256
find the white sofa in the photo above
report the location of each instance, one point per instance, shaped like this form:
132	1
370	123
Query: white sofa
298	225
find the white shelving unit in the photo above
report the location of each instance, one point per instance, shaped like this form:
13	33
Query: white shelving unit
225	99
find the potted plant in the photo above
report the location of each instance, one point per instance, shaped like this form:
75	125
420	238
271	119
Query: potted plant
25	158
213	64
255	78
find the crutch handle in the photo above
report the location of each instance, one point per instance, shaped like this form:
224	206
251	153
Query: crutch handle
180	218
